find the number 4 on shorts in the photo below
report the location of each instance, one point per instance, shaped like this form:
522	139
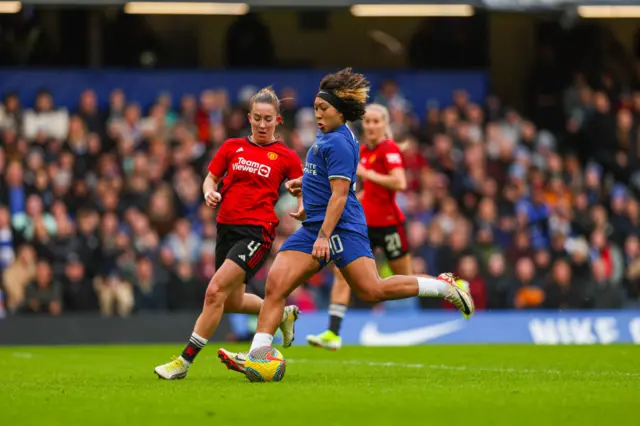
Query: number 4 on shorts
253	247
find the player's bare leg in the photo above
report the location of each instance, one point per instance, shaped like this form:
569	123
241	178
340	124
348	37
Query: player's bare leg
222	295
340	296
290	269
402	265
362	276
244	303
224	281
240	302
340	292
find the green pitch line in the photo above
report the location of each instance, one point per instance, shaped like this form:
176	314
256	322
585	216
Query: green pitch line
426	385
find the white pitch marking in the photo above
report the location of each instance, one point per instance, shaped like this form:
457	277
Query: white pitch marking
24	355
464	368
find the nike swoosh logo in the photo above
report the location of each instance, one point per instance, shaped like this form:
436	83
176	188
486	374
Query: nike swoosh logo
272	358
371	336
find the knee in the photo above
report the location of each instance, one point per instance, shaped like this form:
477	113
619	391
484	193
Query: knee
215	295
274	288
371	293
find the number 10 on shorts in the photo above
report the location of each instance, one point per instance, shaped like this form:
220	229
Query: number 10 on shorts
335	244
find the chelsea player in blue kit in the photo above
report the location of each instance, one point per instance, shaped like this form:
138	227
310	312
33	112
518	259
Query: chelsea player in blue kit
334	226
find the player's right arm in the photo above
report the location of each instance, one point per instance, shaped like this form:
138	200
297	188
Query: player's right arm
217	168
211	197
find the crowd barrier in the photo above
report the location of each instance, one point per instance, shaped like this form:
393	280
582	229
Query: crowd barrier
145	86
93	329
528	327
359	328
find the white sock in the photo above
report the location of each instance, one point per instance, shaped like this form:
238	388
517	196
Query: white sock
196	340
431	287
284	316
260	340
337	310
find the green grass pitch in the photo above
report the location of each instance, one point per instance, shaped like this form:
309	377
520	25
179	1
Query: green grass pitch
426	385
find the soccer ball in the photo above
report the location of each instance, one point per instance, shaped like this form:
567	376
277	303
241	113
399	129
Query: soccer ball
265	364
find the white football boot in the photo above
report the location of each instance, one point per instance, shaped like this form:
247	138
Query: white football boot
233	360
288	324
327	340
458	294
174	370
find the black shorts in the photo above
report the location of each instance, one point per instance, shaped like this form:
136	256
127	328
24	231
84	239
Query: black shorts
246	245
391	239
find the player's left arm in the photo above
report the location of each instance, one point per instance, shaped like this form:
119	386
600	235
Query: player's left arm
338	200
396	180
299	214
294	176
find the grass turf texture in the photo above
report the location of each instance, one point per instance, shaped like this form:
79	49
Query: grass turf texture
427	385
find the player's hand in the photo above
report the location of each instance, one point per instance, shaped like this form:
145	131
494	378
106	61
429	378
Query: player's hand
362	172
321	250
212	199
299	215
294	186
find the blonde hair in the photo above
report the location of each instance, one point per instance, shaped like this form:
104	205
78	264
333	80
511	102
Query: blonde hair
266	95
384	112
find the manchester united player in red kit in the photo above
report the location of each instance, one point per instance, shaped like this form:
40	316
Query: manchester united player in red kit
250	171
382	172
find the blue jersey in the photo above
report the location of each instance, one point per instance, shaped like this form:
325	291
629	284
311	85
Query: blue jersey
333	155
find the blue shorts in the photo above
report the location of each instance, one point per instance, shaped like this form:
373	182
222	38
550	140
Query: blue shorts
346	246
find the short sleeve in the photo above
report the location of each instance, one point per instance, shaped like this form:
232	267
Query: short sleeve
294	167
219	163
341	160
393	157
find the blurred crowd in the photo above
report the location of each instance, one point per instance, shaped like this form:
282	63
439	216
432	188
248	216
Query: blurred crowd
101	209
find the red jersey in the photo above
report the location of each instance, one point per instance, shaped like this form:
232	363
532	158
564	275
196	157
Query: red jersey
379	203
252	177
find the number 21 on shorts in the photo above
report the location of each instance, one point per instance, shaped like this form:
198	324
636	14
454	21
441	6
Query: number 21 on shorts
393	241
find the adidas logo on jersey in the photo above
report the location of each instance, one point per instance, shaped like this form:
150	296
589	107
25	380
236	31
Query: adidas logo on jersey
243	257
240	150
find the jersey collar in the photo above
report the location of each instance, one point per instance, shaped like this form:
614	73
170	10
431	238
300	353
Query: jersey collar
248	139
